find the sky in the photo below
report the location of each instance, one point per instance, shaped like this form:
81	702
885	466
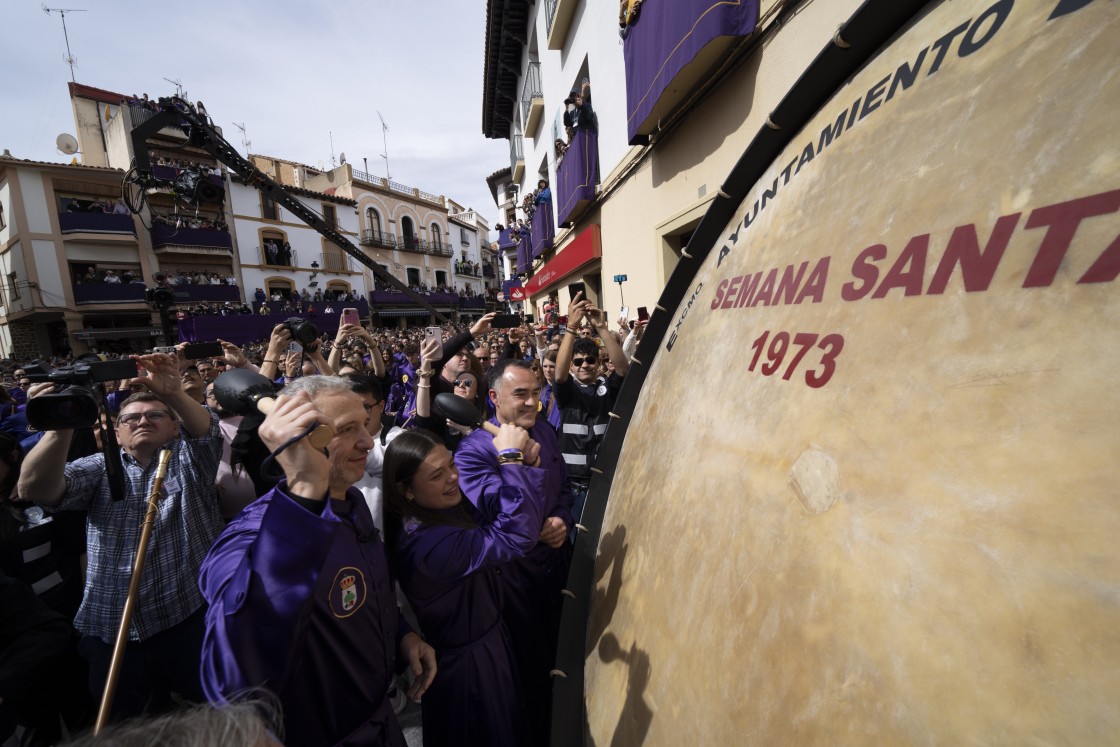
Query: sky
291	72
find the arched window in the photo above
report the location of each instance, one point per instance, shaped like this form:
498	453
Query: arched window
274	248
373	222
437	241
408	233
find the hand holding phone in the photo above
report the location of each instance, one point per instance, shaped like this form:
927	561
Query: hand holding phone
198	350
576	288
643	315
350	316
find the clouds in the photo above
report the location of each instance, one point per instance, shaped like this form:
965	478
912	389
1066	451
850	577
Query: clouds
291	72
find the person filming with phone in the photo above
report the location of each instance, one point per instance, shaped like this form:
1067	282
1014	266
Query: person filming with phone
165	637
584	400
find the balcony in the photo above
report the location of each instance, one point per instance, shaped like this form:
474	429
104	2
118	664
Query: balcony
577	177
560	13
96	222
417	245
516	158
469	270
168	238
532	98
487	271
541	229
87	293
670	53
374	237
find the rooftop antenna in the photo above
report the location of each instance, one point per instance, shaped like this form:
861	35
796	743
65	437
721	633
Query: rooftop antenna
62	12
178	87
331	134
385	144
246	143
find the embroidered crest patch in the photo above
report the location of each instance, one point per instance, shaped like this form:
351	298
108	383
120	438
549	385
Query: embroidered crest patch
347	592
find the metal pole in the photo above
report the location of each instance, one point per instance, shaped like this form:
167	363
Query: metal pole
133	590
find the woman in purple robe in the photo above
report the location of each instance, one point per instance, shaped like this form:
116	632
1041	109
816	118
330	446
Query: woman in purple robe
447	559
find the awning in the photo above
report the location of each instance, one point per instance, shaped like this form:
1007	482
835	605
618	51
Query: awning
122	332
585	248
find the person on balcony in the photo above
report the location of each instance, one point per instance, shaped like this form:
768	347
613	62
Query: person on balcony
285	254
544	194
579	114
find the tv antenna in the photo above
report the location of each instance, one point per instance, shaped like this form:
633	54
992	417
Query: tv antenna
246	143
385	145
178	87
62	12
331	135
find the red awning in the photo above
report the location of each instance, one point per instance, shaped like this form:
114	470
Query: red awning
585	248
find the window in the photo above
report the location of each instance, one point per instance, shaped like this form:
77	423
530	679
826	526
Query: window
373	222
408	233
13	286
282	286
2	223
464	237
441	277
329	216
413	277
275	249
270	210
437	241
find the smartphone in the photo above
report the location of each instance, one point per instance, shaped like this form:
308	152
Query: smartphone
624	313
643	315
505	321
350	316
295	347
122	368
199	350
528	318
169	349
433	333
575	288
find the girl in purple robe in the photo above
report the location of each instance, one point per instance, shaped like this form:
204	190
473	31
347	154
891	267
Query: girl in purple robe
447	559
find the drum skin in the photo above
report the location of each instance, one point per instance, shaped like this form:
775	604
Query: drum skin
878	502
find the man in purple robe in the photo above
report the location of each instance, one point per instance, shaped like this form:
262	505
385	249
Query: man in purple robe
532	584
301	600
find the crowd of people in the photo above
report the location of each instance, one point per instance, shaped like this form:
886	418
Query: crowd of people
271	575
113	207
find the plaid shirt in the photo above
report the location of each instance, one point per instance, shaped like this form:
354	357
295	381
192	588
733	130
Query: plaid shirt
187	523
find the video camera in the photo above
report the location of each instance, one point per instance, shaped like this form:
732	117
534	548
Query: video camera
76	401
303	331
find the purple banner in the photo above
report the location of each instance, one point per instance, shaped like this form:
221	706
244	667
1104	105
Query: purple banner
524	262
478	302
668	36
109	293
208	237
577	175
507	285
243	328
395	298
96	223
542	231
504	241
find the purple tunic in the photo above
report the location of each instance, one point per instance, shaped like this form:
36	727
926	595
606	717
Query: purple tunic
303	605
451	577
532	584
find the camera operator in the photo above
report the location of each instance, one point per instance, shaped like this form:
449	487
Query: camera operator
166	634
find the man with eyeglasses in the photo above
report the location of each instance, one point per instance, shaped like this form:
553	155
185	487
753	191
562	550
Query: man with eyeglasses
585	402
165	638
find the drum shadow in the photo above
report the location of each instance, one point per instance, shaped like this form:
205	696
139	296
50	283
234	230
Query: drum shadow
636	716
611	557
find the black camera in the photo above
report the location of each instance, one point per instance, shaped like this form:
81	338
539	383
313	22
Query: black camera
303	331
76	401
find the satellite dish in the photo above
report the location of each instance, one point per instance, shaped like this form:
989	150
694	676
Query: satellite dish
342	158
67	144
320	166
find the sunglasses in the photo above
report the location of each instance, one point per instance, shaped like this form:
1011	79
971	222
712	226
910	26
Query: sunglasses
133	419
463	382
577	362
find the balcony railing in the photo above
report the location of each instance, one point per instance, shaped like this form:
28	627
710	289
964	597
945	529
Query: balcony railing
418	245
403	189
550	16
204	238
374	237
264	259
532	97
96	223
462	268
332	262
109	293
487	271
516	158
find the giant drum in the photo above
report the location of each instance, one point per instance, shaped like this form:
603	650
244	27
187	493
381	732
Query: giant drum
869	492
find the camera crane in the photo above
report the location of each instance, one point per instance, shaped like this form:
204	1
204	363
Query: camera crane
178	113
